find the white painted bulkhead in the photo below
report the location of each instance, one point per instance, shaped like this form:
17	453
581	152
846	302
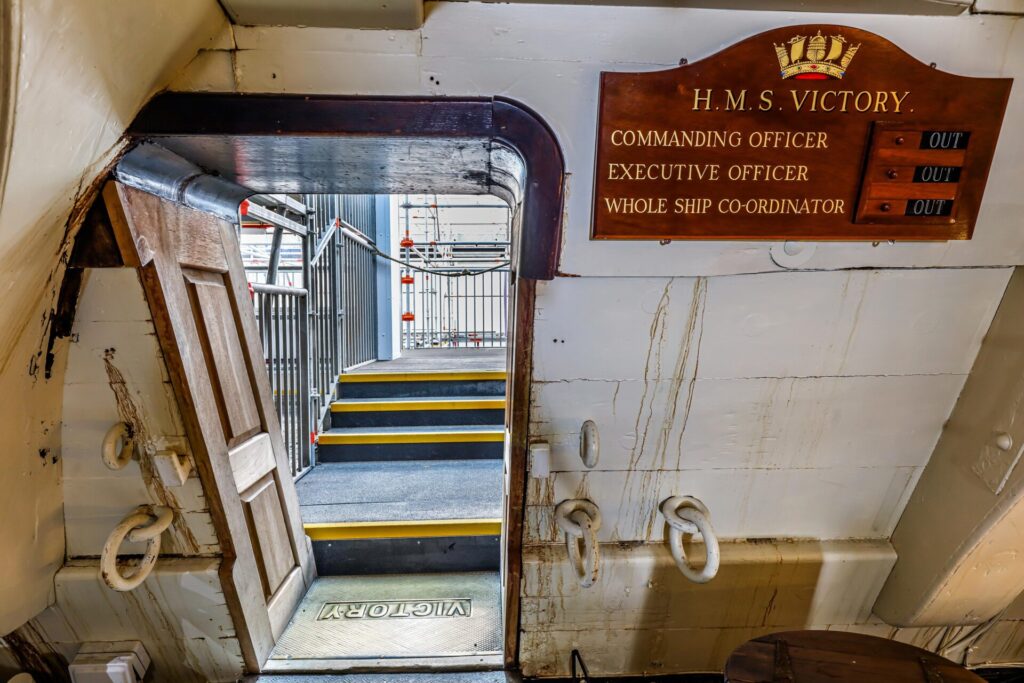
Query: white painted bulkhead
116	372
78	73
800	405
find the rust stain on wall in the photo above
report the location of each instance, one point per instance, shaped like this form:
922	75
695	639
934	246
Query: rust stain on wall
132	415
35	655
656	338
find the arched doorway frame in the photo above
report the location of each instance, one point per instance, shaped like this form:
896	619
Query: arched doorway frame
379	145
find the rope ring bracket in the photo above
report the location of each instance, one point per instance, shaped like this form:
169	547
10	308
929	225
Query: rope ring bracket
112	457
580	520
688	515
146	524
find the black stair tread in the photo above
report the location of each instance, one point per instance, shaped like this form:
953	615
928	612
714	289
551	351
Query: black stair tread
411	490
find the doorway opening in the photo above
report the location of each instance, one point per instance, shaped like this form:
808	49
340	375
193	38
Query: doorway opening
283	152
400	487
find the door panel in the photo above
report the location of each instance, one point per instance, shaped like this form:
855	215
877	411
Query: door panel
198	296
225	359
269	533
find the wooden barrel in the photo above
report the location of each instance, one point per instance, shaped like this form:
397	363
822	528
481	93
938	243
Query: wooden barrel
838	657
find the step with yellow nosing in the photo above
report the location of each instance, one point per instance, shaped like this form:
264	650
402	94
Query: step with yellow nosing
451	376
376	406
431	528
388	437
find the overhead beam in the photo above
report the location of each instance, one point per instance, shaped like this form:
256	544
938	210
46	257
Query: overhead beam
382	145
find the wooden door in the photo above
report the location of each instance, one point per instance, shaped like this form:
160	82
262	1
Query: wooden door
198	296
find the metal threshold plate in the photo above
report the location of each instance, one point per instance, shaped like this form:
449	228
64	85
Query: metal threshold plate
403	621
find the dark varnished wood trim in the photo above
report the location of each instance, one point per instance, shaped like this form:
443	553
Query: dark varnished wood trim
521	375
496	120
538	217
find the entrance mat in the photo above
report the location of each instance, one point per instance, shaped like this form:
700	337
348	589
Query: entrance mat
403	621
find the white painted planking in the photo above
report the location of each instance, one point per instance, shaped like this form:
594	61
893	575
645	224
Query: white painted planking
834	503
866	322
179	614
114	330
124	343
652	35
114	297
612	328
92	410
368	74
93	402
890	322
87	535
94	506
312	38
758	584
747	423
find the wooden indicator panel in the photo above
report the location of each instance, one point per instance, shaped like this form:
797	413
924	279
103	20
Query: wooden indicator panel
814	132
916	174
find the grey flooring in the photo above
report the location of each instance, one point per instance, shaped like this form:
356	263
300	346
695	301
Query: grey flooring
401	491
396	677
440	360
424	620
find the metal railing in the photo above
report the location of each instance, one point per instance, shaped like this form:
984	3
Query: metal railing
325	320
359	285
340	267
455	310
282	314
322	272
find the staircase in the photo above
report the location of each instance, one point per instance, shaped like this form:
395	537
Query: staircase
409	474
404	512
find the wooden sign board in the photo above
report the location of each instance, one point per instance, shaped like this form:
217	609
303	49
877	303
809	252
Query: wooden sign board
814	132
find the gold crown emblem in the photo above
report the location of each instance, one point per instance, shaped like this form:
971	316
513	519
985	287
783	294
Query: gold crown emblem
817	58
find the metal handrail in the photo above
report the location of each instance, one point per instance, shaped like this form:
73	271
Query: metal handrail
324	242
263	288
355	234
313	332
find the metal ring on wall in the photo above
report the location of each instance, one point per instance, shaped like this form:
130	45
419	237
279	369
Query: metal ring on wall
112	457
580	520
590	444
688	515
146	523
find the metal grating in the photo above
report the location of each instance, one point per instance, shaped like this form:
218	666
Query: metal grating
405	617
